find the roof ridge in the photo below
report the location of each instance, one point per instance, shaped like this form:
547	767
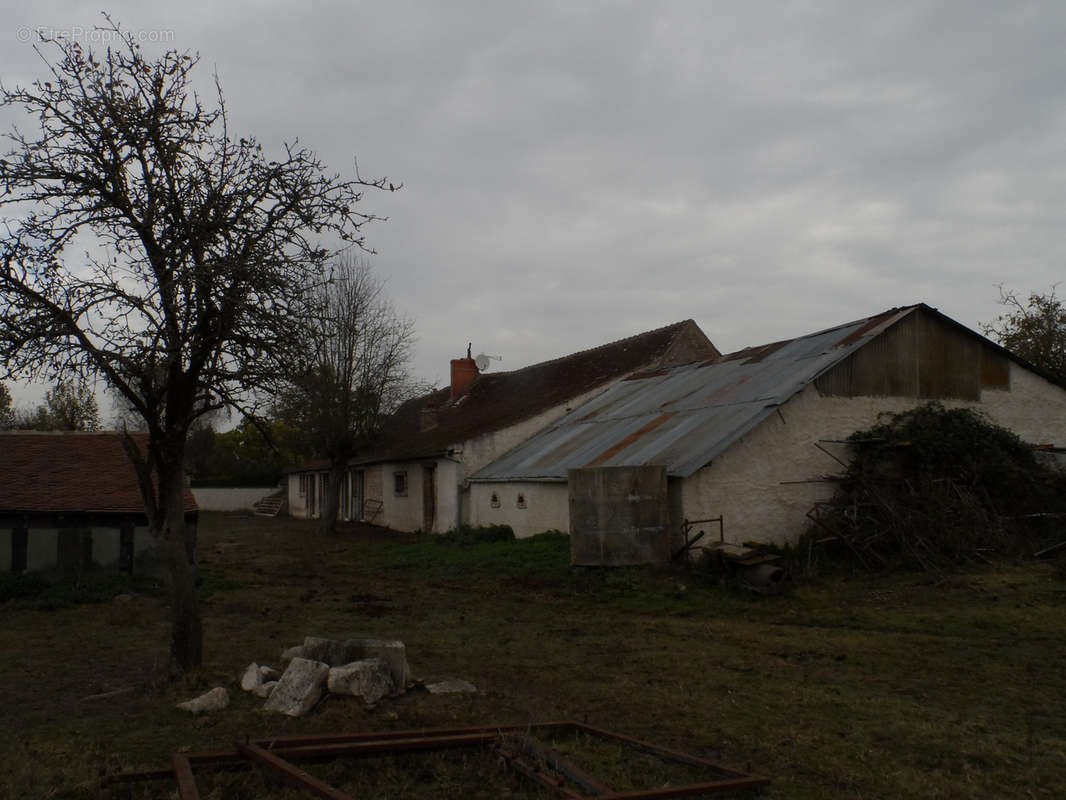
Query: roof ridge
35	432
604	346
885	313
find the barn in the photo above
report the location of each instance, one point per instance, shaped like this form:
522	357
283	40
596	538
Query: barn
415	476
749	437
70	501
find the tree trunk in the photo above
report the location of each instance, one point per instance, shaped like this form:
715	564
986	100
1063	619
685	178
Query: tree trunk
187	641
328	522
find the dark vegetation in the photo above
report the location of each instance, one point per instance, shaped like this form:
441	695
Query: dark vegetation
938	488
894	685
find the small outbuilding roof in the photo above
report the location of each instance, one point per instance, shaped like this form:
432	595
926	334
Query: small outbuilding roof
687	416
70	471
496	400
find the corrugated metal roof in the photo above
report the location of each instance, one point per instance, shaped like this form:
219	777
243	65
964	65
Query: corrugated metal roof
686	416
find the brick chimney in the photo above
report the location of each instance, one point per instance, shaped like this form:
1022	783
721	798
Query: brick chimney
464	370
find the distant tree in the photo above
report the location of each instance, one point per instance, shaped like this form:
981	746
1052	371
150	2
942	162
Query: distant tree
200	449
252	454
1034	329
357	350
68	406
7	410
202	249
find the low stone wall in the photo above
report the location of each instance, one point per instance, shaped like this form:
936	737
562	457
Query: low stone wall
240	498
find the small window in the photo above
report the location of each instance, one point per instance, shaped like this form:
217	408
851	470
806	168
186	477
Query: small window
303	486
399	484
495	501
521	501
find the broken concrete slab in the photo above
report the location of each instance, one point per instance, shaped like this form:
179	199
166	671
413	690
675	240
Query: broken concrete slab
451	687
215	700
368	679
299	687
251	677
337	653
264	689
291	653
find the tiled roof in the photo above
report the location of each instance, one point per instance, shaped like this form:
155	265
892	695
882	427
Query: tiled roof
496	400
63	471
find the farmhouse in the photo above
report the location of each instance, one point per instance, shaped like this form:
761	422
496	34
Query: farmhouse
750	436
70	500
415	478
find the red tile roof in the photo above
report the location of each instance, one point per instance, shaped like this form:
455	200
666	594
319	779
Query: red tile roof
497	400
64	471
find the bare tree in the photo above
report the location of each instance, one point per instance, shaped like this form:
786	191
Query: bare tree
201	248
355	357
1034	329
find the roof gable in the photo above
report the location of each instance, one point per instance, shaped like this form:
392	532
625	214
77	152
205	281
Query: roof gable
70	471
497	400
687	416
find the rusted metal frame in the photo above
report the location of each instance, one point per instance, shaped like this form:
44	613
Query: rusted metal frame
664	753
375	747
183	775
552	782
291	774
561	764
311	747
690	789
688	524
381	736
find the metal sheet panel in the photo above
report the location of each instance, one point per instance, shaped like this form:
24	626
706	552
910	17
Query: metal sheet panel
683	418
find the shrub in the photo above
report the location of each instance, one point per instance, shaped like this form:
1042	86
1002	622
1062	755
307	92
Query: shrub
466	536
934	487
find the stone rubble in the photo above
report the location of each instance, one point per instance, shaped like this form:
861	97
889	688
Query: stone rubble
370	669
368	679
264	689
214	700
337	653
451	687
299	687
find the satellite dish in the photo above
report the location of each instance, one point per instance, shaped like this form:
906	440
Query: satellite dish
482	361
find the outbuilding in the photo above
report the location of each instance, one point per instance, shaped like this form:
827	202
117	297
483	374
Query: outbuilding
415	477
70	500
749	437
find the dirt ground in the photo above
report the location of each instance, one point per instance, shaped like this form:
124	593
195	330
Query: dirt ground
919	685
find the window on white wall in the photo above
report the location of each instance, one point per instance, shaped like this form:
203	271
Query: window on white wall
399	484
494	501
521	503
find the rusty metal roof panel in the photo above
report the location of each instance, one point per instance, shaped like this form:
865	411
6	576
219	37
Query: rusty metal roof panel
686	416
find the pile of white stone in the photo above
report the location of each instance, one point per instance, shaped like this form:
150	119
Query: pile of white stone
370	669
366	668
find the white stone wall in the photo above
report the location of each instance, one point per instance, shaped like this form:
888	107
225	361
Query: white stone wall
752	484
401	512
297	503
237	498
547	506
42	547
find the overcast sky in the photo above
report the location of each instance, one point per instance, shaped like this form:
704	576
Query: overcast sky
576	172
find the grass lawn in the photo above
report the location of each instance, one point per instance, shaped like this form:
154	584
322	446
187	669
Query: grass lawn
894	686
